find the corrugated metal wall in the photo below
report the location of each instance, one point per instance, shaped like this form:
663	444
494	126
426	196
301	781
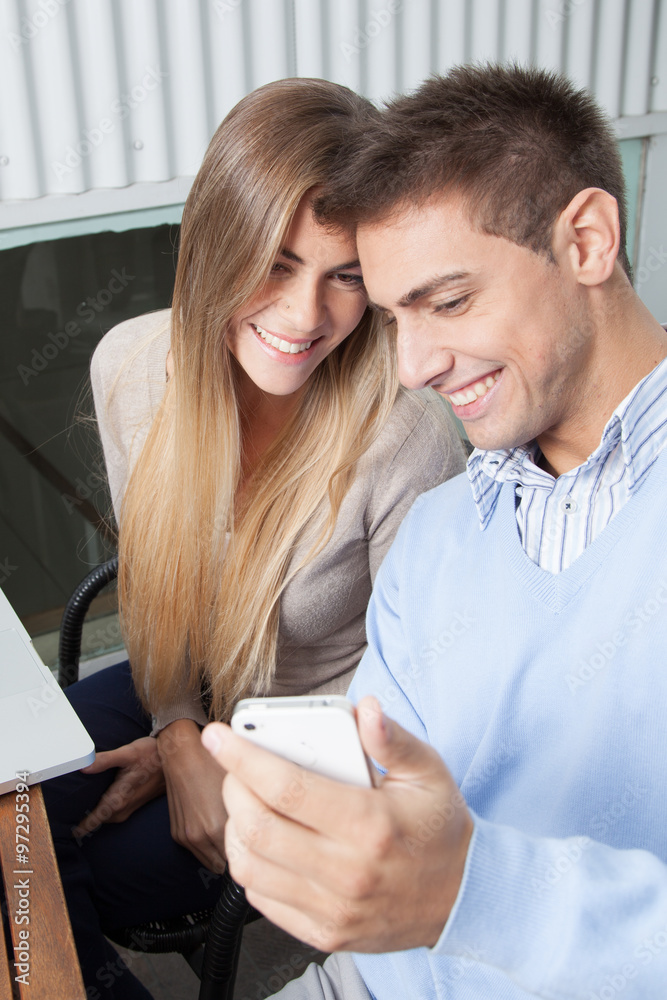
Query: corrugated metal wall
109	93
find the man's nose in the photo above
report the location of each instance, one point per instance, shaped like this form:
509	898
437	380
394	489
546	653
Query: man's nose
302	304
420	356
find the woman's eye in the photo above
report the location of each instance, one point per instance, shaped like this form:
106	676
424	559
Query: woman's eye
387	318
349	279
279	268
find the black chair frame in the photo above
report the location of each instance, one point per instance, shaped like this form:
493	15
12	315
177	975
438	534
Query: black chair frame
210	940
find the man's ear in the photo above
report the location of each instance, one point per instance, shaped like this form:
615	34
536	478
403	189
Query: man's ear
588	231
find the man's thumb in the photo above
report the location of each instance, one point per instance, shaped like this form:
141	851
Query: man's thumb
396	750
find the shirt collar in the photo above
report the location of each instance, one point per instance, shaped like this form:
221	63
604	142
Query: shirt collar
637	423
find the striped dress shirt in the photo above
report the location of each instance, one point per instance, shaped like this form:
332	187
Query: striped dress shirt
558	518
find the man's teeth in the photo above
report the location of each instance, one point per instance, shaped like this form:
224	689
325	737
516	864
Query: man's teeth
283	345
474	391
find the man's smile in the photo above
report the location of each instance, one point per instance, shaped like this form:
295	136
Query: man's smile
473	390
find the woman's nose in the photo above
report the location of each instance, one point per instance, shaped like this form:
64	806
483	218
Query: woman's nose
302	305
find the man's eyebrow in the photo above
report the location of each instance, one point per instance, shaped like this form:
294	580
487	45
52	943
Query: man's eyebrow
431	286
298	260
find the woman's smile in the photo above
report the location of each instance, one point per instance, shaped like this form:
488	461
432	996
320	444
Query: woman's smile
281	344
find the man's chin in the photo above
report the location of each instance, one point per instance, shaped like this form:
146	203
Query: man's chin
498	440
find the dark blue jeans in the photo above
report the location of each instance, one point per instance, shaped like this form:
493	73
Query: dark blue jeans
124	873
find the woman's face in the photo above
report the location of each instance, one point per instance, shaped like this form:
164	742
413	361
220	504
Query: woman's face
312	301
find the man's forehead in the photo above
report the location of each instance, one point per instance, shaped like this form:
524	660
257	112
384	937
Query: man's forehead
415	245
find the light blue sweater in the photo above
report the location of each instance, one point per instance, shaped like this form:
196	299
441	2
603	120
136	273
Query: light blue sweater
546	695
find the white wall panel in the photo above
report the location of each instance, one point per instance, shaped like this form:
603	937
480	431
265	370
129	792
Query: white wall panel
638	49
163	73
19	156
651	254
658	81
345	42
185	85
451	33
269	30
309	36
381	53
229	68
549	28
98	83
580	44
413	24
146	68
518	35
485	31
55	99
608	78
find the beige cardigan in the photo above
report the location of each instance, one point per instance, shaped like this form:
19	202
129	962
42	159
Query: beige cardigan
322	612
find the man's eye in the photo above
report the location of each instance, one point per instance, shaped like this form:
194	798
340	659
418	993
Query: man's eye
452	306
387	318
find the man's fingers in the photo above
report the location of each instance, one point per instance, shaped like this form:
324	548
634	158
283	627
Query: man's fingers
259	833
308	798
404	757
269	886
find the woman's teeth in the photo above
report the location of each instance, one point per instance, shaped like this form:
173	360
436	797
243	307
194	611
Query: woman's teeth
474	391
282	345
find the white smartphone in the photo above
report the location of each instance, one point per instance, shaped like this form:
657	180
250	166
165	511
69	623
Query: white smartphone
317	732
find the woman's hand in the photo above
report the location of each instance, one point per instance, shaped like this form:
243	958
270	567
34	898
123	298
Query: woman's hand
139	780
194	782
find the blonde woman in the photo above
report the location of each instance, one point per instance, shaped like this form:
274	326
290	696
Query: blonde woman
261	456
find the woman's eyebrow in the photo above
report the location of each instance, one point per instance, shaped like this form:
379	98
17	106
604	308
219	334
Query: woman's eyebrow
298	260
347	267
291	256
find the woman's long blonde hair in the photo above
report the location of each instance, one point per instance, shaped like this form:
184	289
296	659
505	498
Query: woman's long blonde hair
201	573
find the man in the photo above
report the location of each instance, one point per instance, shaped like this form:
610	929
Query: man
518	623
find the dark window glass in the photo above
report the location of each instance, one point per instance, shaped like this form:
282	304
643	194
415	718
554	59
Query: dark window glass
57	299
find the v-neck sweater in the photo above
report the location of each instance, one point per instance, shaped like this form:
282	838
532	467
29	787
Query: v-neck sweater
546	696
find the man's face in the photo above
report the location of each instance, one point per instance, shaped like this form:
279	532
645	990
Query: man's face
499	331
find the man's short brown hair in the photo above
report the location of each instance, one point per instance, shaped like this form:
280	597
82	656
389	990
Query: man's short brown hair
516	143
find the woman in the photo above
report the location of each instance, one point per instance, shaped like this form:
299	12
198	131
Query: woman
261	457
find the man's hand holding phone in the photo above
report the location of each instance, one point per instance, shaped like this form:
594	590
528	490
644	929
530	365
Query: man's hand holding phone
343	867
